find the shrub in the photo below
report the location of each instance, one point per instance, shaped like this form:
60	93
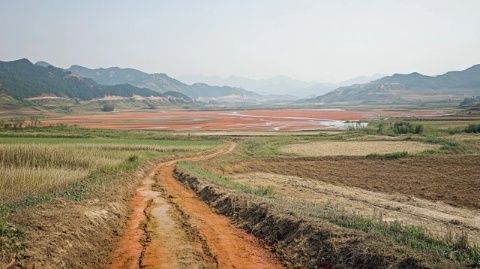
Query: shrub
108	107
133	158
405	127
419	128
150	106
472	128
388	156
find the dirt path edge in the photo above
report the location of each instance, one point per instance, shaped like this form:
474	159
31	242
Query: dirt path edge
303	244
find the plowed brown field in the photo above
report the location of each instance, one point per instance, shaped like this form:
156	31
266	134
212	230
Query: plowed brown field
449	179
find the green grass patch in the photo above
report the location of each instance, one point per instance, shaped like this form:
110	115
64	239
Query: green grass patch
11	239
447	145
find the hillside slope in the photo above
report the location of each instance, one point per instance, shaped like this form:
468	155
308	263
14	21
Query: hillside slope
22	79
414	87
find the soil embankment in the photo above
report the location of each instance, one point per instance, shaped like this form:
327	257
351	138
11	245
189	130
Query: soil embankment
302	243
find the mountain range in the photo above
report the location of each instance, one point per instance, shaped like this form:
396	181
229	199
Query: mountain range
23	79
162	83
282	86
405	88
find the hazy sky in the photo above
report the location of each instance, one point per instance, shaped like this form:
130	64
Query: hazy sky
310	40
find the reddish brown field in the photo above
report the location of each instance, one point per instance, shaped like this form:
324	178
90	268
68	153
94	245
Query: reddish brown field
242	120
450	179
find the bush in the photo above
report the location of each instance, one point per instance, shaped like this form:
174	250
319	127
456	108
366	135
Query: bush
108	107
388	156
405	127
472	128
133	158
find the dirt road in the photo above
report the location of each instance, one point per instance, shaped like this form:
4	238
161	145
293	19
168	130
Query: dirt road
169	227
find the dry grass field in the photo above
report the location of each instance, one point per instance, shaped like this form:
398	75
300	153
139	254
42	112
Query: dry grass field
28	169
355	148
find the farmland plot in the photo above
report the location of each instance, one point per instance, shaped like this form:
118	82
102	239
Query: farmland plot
355	148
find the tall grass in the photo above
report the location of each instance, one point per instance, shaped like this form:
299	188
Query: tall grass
30	169
66	156
18	182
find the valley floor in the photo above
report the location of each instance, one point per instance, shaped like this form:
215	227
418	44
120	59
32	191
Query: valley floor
371	198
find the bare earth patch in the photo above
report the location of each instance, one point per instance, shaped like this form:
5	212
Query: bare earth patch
355	148
449	179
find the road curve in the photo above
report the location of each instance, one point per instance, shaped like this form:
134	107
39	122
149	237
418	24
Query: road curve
170	227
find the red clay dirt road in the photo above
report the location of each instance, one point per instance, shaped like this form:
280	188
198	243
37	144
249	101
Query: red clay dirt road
170	227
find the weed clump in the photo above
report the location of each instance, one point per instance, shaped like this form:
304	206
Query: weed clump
11	239
405	127
108	108
472	128
388	156
133	158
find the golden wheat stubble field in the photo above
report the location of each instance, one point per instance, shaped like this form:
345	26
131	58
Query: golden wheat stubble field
355	148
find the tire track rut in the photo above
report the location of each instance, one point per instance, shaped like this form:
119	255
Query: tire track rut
169	227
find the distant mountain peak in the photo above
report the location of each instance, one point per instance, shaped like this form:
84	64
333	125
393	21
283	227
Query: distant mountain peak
474	68
413	74
43	63
19	61
413	87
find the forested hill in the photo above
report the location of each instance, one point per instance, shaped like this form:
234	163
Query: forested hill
410	87
23	79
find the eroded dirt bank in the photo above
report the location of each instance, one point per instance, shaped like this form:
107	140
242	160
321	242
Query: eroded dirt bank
170	227
301	243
